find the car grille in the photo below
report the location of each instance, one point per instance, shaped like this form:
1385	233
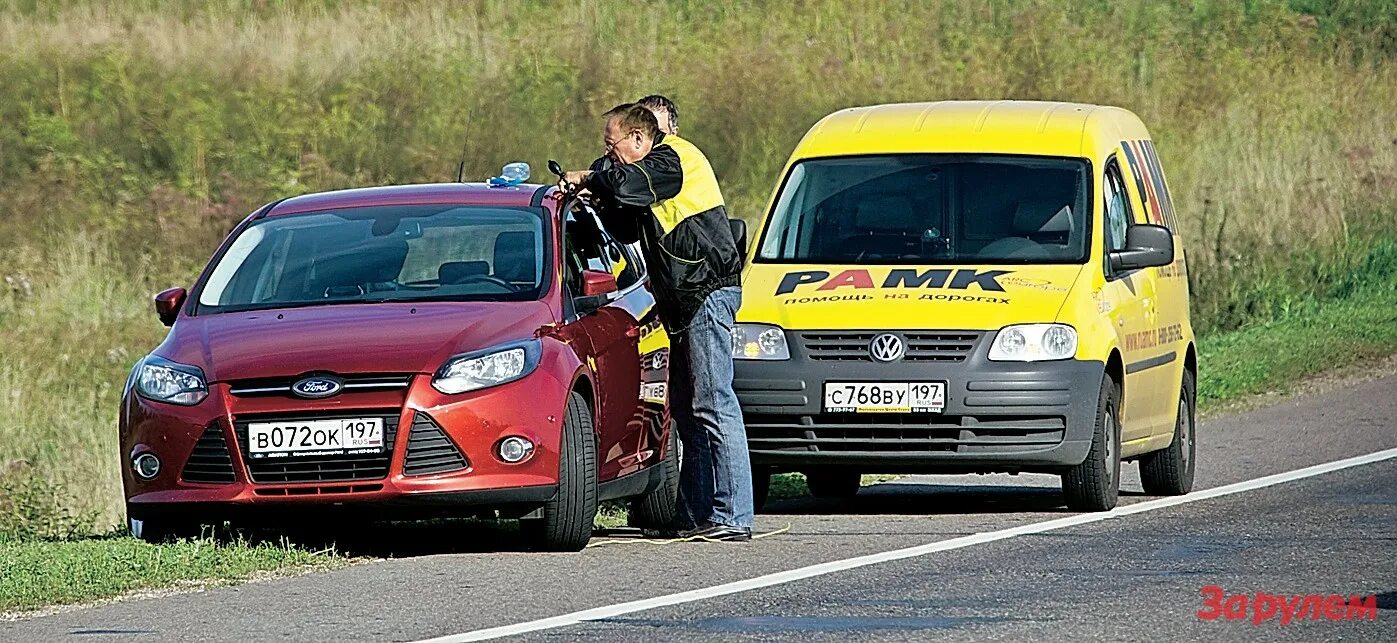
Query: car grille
900	432
922	346
328	468
430	450
281	386
209	462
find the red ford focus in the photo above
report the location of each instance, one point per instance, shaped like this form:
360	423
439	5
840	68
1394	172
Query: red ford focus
414	350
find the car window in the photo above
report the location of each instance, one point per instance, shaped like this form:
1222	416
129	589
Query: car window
584	248
389	253
1118	213
931	208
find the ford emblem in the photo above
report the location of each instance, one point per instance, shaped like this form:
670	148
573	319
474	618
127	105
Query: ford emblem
317	386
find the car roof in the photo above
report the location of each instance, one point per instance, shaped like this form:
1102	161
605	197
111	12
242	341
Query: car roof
524	194
993	127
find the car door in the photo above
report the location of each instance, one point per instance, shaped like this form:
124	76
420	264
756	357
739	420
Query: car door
1126	294
612	350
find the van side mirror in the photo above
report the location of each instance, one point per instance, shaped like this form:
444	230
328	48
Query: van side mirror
597	287
167	304
739	234
1146	246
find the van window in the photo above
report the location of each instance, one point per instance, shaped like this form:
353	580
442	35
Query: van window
1118	214
931	208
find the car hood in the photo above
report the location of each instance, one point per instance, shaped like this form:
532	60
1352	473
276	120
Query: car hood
971	297
348	338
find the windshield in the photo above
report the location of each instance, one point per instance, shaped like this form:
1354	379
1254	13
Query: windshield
931	208
391	253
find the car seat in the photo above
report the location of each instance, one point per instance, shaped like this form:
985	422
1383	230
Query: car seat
884	223
515	258
1031	219
372	266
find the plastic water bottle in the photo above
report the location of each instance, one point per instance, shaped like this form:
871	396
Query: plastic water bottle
512	174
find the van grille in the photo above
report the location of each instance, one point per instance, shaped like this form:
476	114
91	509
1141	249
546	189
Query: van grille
328	468
922	346
891	432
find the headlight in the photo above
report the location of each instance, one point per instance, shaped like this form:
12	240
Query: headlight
759	341
1034	343
490	367
162	380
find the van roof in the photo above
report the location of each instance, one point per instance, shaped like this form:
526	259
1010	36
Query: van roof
994	127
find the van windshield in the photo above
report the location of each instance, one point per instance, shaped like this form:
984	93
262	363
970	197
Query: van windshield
373	254
931	208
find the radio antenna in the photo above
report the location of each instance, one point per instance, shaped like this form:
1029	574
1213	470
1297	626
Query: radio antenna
465	145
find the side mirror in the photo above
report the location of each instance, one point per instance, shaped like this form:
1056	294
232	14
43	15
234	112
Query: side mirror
739	234
1146	246
597	287
167	305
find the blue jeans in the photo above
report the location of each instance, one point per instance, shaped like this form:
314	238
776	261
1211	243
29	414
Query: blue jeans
715	478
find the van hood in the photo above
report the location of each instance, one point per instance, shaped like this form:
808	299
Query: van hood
971	297
349	338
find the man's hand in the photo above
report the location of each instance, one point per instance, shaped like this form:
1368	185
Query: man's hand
576	177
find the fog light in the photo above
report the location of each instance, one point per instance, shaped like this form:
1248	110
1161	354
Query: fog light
515	449
146	466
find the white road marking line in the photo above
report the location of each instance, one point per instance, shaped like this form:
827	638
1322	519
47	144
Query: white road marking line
831	567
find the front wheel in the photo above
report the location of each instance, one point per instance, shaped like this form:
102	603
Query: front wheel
833	483
1169	472
1094	485
567	519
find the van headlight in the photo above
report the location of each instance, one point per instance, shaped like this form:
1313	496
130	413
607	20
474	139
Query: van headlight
759	341
162	380
490	367
1034	343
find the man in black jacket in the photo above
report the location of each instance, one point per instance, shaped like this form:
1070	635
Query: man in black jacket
662	188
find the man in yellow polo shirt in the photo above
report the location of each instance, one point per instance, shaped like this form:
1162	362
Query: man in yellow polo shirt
662	188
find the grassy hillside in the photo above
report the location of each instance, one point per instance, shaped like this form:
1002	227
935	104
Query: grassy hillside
135	133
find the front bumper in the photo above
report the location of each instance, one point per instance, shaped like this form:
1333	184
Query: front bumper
999	416
441	452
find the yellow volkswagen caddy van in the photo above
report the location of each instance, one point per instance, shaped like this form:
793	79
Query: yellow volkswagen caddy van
970	287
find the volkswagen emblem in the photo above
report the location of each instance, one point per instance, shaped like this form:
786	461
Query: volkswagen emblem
886	348
317	386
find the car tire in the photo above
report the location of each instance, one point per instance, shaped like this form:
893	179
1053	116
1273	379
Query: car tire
658	509
1094	485
160	529
761	487
567	519
833	483
1169	471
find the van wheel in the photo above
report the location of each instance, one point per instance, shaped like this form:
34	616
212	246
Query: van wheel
1094	485
658	509
567	519
160	529
761	487
1169	472
833	483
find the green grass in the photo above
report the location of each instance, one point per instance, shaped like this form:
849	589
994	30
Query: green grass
43	573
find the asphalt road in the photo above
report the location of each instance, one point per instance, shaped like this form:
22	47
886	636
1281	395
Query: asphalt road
1131	577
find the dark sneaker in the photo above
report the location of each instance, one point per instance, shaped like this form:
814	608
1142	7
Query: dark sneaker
718	533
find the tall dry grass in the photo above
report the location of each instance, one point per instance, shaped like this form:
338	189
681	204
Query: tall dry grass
133	134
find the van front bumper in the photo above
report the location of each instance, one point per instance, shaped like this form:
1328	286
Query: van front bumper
999	416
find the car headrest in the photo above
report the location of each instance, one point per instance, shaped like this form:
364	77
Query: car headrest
1034	218
515	258
453	272
884	212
